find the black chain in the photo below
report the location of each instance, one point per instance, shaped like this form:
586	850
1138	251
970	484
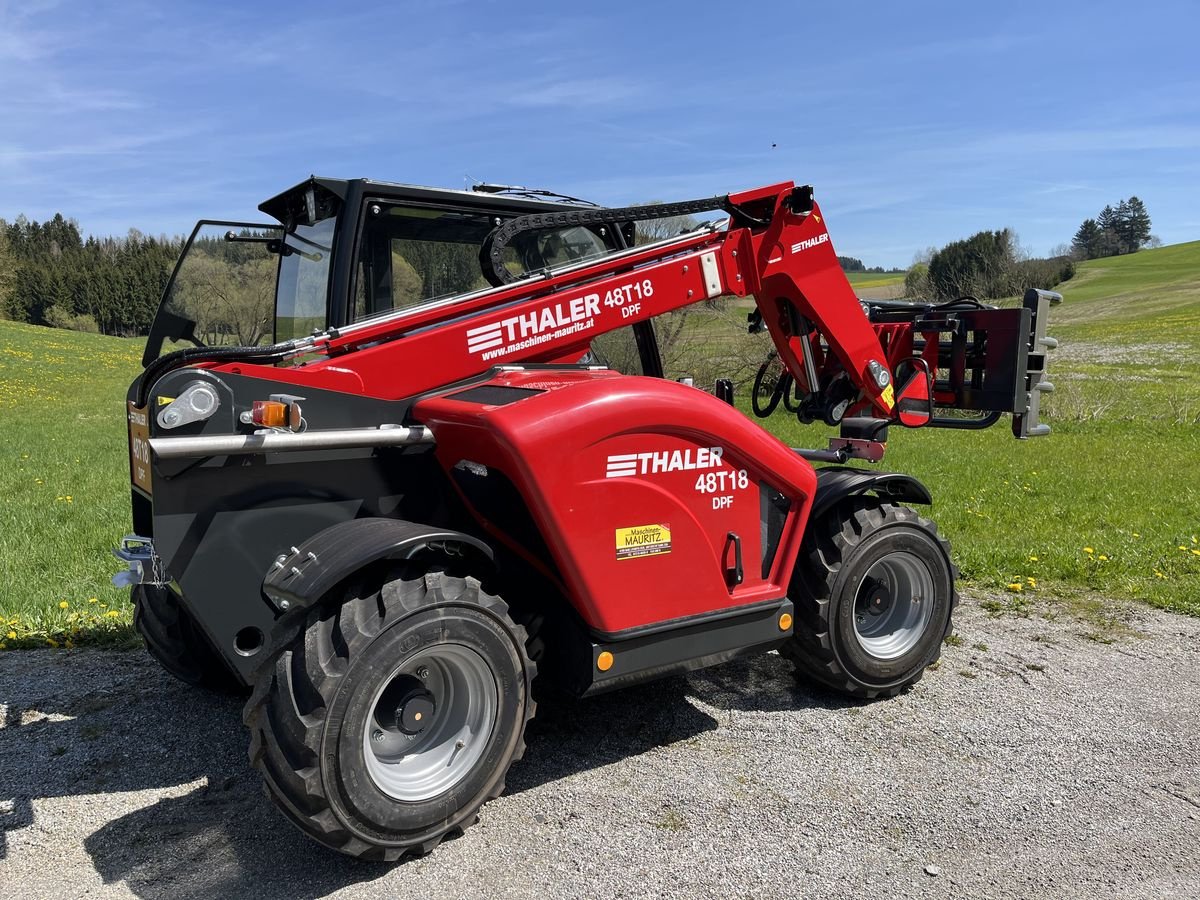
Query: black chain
491	253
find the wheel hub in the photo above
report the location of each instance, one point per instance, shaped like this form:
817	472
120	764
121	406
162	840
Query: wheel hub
415	711
878	598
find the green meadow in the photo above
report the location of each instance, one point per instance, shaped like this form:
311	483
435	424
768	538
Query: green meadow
1108	506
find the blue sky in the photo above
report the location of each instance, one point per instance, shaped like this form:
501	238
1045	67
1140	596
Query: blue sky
918	123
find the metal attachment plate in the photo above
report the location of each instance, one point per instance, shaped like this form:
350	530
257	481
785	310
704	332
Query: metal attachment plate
712	275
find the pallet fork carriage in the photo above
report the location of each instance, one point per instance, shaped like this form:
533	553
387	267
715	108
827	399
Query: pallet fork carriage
433	488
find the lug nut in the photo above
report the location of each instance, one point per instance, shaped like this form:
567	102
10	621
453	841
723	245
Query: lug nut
377	736
423	672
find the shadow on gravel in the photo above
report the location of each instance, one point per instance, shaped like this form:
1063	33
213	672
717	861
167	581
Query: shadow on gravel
219	835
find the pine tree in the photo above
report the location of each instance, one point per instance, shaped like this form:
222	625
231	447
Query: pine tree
1137	224
1086	242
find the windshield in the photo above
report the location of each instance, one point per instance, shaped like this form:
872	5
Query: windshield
304	280
243	285
222	290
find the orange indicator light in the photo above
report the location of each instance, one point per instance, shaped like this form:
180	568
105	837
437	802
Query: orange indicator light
785	621
269	413
604	661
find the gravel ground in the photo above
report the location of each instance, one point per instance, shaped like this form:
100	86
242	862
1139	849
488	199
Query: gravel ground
1032	762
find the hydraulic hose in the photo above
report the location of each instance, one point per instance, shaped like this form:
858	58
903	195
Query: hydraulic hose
180	358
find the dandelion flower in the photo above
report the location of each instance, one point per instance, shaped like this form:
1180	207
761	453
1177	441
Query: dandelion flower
1158	574
1032	581
1135	534
1033	559
1103	557
1088	550
92	600
1015	586
112	613
63	604
12	635
1181	547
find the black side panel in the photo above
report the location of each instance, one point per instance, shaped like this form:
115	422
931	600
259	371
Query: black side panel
493	394
835	483
306	575
680	649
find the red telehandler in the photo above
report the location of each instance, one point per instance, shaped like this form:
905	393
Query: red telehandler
422	484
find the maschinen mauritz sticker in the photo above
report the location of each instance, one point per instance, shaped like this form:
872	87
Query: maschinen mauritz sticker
643	540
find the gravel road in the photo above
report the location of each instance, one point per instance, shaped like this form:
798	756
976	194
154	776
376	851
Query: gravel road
1033	762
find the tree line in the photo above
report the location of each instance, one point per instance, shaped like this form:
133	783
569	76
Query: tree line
854	264
50	275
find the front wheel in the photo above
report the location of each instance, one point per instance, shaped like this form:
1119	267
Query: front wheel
394	715
874	595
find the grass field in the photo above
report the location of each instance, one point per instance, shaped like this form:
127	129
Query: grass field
64	483
1108	505
875	279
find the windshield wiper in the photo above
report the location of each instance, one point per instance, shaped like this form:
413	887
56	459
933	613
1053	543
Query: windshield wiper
275	245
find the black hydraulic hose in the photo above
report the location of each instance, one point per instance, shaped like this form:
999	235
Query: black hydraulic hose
181	358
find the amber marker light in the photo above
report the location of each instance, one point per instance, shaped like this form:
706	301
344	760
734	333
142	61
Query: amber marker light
269	414
785	621
604	661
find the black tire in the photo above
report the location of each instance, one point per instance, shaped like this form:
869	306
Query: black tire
315	713
178	644
863	626
765	394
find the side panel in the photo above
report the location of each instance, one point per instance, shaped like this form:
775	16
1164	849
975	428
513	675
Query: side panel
645	492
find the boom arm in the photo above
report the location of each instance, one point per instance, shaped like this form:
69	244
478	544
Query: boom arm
777	248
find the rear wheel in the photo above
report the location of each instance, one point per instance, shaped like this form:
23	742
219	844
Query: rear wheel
177	642
394	716
874	594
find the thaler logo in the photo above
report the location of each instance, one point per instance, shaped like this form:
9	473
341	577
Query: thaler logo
801	246
533	323
622	464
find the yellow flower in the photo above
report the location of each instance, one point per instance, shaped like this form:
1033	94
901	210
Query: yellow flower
1103	557
12	635
1033	559
1196	552
1015	586
92	600
1088	550
1032	581
1158	574
63	604
112	613
1135	534
1181	547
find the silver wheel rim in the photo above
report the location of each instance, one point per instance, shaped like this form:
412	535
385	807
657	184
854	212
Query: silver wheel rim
459	685
893	605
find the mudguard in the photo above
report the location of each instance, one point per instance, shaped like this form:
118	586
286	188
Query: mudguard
330	556
836	483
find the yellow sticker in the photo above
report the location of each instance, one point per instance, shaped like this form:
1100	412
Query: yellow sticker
643	540
163	401
888	397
